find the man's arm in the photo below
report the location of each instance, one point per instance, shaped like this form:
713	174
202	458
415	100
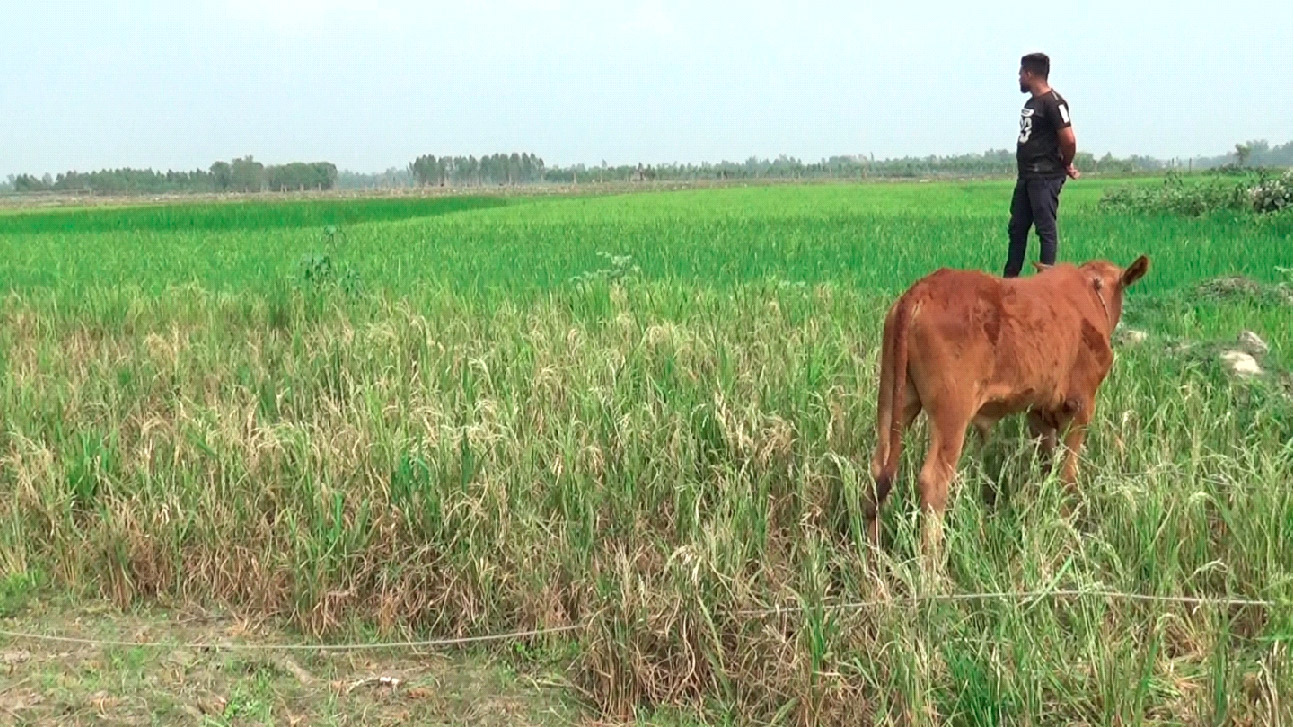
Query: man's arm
1068	146
1065	137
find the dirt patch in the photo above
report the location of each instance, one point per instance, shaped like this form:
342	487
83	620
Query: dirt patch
1235	286
49	683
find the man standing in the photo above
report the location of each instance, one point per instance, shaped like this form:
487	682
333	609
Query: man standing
1044	155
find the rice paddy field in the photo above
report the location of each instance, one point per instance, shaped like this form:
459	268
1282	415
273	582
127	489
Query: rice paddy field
648	416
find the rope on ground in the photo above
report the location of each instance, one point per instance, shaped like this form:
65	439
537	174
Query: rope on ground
517	635
1015	596
237	646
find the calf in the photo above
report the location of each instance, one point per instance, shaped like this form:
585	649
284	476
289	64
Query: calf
969	349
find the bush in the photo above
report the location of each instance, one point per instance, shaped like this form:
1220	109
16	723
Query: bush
1272	194
1260	193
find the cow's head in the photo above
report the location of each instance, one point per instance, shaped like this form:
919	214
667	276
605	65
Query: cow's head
1109	281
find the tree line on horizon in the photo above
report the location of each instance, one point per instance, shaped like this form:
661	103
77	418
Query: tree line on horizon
247	175
243	174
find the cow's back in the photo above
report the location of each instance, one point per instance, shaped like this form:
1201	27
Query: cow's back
1013	341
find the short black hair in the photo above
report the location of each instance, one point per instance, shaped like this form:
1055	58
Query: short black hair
1036	63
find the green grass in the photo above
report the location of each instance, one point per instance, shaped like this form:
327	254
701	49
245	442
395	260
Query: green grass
505	425
236	216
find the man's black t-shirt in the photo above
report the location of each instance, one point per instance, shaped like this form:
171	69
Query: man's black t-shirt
1037	151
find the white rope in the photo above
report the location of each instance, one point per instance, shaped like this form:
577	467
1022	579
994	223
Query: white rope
513	635
234	646
1014	595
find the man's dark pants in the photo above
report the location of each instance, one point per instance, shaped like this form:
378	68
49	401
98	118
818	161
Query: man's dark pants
1034	203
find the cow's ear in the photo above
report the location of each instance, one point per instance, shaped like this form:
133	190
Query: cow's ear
1135	271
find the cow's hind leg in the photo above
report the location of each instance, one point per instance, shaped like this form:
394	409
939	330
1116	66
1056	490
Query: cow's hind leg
984	431
947	437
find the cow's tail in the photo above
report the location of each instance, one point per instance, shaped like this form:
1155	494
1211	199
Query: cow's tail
894	355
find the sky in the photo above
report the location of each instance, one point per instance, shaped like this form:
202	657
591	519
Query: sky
371	84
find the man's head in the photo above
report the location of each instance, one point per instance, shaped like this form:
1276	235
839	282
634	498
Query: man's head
1034	69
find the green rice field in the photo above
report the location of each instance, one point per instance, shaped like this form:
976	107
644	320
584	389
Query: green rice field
649	416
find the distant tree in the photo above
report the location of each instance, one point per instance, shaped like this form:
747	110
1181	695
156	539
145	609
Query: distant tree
28	183
1243	151
425	169
391	178
222	174
326	174
1263	154
1279	156
514	168
301	176
247	175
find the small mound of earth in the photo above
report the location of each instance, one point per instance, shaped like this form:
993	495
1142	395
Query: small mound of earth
1252	343
1238	286
1131	335
1241	358
1241	364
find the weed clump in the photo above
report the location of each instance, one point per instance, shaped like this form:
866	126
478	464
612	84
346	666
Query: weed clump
1260	193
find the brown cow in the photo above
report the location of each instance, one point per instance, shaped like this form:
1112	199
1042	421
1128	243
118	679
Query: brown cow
969	348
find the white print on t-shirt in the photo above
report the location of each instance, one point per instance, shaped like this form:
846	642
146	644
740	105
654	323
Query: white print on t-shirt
1026	125
1064	112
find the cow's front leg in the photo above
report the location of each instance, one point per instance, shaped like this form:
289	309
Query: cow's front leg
1081	415
1043	428
1073	445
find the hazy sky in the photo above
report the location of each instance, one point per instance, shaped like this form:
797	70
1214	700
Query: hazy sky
370	84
